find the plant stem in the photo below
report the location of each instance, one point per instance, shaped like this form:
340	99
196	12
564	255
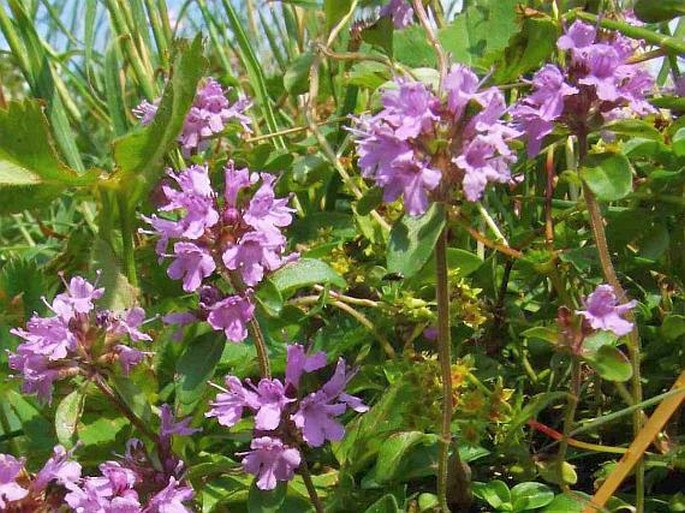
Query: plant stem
311	489
121	405
571	407
127	241
597	225
462	495
260	345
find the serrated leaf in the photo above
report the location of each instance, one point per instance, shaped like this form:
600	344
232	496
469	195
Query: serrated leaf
304	273
380	34
195	367
67	416
412	240
139	155
410	47
608	175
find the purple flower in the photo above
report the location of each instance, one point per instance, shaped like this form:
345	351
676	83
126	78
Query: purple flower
111	492
232	315
271	461
235	181
317	412
549	91
255	253
481	164
171	499
603	311
191	264
461	85
49	337
78	298
272	400
129	357
266	212
401	12
170	426
578	37
128	324
58	468
298	362
208	116
409	109
10	491
229	405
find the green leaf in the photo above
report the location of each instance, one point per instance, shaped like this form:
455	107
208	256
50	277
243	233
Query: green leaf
457	259
597	340
195	367
31	172
270	298
139	155
386	504
527	48
380	35
335	10
369	201
296	78
568	503
393	451
673	326
410	47
67	416
546	334
608	175
678	142
652	11
634	128
610	363
549	471
530	495
266	501
119	293
304	273
482	28
496	493
412	240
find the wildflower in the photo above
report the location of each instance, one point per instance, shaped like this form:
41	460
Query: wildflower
298	362
598	82
271	461
10	490
603	311
231	315
403	148
229	405
400	11
208	116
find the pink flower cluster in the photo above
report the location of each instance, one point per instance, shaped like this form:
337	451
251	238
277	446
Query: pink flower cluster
78	338
597	84
420	144
400	11
133	485
237	234
283	415
208	116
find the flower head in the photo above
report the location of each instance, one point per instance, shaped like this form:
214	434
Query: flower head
10	490
603	311
400	11
271	461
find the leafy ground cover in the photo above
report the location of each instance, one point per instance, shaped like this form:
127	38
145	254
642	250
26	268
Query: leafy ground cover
341	256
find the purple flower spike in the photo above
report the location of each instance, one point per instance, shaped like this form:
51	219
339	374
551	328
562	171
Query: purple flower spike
10	468
255	253
578	37
192	264
171	499
272	401
317	412
400	11
266	212
58	468
271	461
232	315
298	362
170	426
228	406
603	311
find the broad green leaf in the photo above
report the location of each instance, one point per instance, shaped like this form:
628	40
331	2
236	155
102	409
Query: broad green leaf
597	340
380	35
568	503
550	335
368	74
296	78
610	363
369	201
608	175
67	416
673	326
266	501
270	298
119	293
393	451
410	47
465	261
635	128
31	172
134	397
386	504
413	239
496	493
527	49
530	495
195	367
480	29
678	142
139	155
652	11
304	273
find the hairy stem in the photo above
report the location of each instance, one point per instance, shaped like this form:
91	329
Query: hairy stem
311	489
597	225
260	346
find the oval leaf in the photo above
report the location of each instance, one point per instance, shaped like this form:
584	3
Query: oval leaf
304	273
608	175
610	363
67	416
